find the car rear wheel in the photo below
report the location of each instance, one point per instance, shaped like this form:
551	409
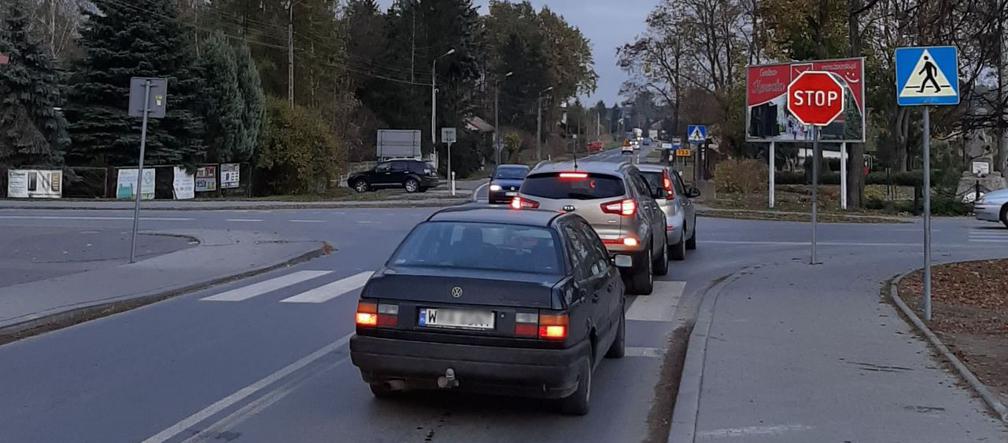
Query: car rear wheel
360	186
642	279
661	262
618	347
578	402
679	249
691	243
411	185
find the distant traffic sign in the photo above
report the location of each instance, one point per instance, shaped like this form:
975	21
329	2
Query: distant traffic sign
448	135
815	98
157	97
927	76
696	133
683	152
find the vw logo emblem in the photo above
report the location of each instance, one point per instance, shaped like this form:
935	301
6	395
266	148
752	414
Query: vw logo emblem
456	292
568	208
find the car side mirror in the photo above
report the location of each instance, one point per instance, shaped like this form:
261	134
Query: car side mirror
622	261
693	192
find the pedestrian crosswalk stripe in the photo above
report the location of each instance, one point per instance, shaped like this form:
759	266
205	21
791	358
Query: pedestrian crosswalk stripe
330	291
660	305
255	289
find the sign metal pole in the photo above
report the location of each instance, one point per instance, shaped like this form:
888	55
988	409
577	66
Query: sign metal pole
926	302
451	174
139	186
773	172
815	190
843	176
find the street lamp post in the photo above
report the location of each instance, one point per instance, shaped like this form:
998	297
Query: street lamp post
290	52
539	124
433	96
497	138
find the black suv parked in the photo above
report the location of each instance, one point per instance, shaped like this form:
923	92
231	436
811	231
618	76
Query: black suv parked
411	175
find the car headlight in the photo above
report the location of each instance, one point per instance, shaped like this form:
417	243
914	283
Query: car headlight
980	200
495	187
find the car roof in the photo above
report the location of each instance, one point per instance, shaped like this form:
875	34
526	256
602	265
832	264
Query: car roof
651	167
509	165
507	216
591	167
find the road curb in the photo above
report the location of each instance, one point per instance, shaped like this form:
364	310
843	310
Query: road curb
79	315
682	428
766	216
992	402
253	207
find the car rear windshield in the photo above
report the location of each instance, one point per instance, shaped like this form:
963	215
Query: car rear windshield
488	246
573	185
511	172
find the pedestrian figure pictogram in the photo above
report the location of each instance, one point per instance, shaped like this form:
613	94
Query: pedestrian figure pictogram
929	71
927	76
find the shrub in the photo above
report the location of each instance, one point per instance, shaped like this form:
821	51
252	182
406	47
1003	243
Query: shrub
298	152
741	176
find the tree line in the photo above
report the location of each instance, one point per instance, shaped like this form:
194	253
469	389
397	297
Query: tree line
692	55
297	88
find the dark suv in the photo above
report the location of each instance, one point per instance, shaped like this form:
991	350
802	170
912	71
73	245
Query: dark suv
411	175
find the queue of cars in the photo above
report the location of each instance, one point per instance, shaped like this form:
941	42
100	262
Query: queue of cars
524	299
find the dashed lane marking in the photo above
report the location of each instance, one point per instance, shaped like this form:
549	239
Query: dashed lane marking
255	289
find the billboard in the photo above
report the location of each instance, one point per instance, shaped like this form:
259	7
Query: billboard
230	175
33	183
767	117
206	178
126	184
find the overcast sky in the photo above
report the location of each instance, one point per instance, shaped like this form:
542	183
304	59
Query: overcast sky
607	23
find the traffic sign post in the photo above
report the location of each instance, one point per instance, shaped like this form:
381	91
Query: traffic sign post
448	136
927	76
154	93
815	98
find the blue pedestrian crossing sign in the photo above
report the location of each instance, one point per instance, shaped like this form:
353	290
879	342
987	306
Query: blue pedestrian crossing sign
696	133
927	76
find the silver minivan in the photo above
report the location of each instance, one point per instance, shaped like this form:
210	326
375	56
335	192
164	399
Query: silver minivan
618	203
675	201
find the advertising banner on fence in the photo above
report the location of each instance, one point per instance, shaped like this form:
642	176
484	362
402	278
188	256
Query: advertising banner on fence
767	117
230	175
32	183
206	178
183	185
127	183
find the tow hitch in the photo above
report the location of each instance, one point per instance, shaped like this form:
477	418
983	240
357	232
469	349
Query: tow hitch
448	380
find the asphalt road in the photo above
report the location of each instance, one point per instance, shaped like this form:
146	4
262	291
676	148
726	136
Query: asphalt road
265	358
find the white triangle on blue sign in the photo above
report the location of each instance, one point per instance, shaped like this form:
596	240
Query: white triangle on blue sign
927	81
696	135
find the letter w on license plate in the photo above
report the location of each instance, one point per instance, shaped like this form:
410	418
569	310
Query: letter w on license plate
456	319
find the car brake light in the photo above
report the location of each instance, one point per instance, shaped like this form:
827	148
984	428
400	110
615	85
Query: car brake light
625	207
553	326
630	241
524	203
367	314
667	183
527	324
388	315
577	175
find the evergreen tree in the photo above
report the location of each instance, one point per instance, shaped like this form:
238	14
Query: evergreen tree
224	100
139	38
32	131
253	103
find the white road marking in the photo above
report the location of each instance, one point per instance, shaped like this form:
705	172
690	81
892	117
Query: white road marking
475	195
80	217
805	243
752	430
660	305
365	222
632	351
240	220
255	289
306	221
332	290
243	393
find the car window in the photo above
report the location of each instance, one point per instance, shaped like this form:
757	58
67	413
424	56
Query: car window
654	179
579	250
511	172
383	167
489	246
640	184
579	186
597	253
677	182
399	166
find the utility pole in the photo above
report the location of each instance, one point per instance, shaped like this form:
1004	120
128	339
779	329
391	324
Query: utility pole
497	137
433	96
412	57
539	123
290	53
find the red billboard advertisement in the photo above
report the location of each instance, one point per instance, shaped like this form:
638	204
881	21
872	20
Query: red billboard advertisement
767	117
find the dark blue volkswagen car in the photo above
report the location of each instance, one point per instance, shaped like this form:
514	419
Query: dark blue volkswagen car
505	182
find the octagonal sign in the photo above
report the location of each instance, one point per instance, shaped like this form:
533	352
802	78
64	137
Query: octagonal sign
815	98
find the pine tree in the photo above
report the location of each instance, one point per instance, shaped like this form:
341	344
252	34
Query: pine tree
120	40
32	131
253	103
224	101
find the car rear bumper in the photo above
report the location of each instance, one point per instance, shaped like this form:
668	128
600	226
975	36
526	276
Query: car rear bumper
542	373
429	182
501	196
987	212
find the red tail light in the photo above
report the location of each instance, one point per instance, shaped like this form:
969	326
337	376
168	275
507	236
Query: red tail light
367	314
524	203
527	324
553	326
574	175
667	183
625	207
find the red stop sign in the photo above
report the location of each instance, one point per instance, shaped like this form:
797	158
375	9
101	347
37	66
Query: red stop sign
815	98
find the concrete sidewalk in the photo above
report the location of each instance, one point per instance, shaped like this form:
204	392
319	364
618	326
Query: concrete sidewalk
789	352
221	256
437	200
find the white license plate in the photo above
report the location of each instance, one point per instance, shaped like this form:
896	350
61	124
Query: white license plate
455	318
510	194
